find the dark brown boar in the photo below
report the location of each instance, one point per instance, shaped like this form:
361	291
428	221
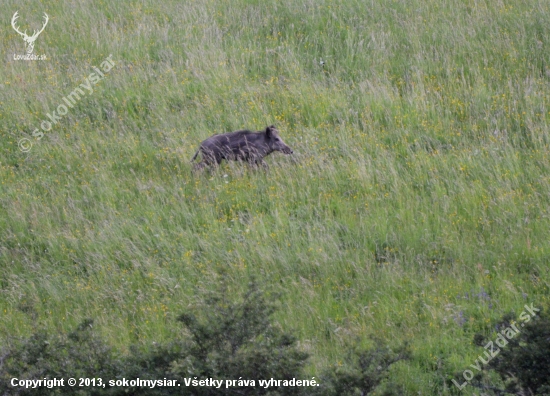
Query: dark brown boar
242	145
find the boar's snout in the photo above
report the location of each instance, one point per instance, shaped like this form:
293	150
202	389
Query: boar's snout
282	147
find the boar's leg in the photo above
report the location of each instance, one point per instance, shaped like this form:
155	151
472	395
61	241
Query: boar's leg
259	162
213	157
209	158
199	166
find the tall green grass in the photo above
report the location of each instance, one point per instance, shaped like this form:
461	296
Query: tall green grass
415	208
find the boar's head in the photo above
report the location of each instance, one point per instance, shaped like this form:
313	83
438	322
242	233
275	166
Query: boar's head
274	141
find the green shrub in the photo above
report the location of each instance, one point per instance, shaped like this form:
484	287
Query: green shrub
219	339
523	364
363	371
80	354
227	340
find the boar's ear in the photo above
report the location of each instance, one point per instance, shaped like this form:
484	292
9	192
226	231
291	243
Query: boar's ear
268	132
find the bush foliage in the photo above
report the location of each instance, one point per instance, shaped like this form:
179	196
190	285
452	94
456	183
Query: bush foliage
523	364
219	339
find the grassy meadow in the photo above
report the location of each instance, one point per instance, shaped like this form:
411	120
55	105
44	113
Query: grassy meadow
415	208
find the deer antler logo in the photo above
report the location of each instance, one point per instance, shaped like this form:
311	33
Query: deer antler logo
29	40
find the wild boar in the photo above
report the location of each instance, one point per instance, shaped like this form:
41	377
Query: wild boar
242	145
